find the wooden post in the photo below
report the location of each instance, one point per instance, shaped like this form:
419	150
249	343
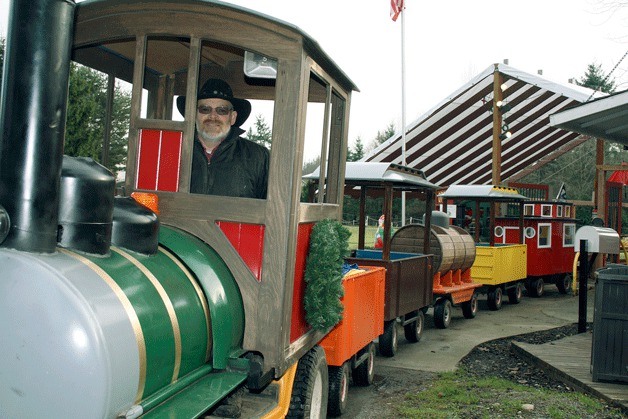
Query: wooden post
497	126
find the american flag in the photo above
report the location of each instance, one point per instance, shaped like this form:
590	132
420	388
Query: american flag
396	6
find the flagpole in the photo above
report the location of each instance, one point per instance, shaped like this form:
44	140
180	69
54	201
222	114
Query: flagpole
403	111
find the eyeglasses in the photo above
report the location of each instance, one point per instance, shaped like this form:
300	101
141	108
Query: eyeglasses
220	110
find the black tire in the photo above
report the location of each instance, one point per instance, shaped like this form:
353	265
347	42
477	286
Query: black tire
515	293
364	373
470	308
536	288
494	298
563	283
338	390
442	313
310	387
388	341
414	329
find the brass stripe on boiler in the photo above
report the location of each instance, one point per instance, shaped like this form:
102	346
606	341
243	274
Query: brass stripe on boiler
201	297
130	311
169	308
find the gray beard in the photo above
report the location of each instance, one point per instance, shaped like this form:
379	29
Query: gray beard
211	140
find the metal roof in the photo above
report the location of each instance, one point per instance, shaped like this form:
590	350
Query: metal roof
452	143
605	118
362	173
482	192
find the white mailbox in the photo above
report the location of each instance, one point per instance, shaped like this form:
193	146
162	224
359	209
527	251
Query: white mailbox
599	239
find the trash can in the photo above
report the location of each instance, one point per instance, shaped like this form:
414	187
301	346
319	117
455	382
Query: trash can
609	352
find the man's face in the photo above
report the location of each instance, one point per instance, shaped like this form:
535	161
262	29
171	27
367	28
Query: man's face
213	126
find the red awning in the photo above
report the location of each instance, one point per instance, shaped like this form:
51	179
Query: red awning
619	176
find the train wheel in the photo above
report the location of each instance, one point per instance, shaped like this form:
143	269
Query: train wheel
442	313
515	293
564	284
310	388
470	308
364	373
536	288
338	390
414	329
494	298
388	341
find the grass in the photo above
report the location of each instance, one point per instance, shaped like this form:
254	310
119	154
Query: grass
369	237
460	395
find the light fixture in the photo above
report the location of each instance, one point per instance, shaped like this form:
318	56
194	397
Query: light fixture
259	66
505	135
505	127
503	107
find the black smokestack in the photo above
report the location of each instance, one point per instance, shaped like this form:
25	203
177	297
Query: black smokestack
32	123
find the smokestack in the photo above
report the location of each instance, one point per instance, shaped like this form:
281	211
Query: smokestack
32	123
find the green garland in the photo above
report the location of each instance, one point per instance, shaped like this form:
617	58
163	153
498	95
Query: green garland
323	274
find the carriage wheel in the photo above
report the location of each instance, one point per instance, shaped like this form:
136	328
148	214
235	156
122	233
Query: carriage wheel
442	313
388	341
515	293
563	284
364	373
338	390
414	329
536	287
494	298
309	391
470	308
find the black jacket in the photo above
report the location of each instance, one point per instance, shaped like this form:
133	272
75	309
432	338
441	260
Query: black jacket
238	167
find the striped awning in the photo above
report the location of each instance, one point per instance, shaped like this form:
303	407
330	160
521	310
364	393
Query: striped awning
452	143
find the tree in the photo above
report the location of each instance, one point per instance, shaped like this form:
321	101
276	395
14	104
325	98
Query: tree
261	134
595	79
382	136
358	151
86	118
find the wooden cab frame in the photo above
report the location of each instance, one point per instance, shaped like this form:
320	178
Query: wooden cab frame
166	49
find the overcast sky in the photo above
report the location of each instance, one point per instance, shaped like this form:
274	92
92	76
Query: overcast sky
446	44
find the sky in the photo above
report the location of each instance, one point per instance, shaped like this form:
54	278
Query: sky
446	44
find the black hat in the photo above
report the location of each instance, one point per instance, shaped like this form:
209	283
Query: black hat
216	88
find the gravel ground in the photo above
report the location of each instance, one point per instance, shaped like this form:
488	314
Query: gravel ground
494	358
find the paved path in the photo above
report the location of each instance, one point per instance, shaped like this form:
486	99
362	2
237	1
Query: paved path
441	349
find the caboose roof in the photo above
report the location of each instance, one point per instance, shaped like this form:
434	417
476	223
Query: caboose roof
483	192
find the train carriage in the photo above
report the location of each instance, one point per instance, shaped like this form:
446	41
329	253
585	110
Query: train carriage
549	230
500	268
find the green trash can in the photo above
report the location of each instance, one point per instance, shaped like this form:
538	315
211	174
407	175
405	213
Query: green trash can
609	352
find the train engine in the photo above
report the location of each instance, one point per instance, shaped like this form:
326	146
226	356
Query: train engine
111	309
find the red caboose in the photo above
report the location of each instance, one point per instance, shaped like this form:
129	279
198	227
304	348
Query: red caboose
549	231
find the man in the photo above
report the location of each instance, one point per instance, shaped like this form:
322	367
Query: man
224	163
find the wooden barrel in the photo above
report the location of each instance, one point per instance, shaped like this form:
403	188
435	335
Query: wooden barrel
453	247
464	248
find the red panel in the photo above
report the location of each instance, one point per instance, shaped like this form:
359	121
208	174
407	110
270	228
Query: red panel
169	161
298	326
158	160
148	157
248	241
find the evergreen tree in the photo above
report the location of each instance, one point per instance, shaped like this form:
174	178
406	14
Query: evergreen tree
85	121
358	151
594	78
261	134
384	135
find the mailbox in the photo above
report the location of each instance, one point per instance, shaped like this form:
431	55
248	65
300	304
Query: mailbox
599	239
